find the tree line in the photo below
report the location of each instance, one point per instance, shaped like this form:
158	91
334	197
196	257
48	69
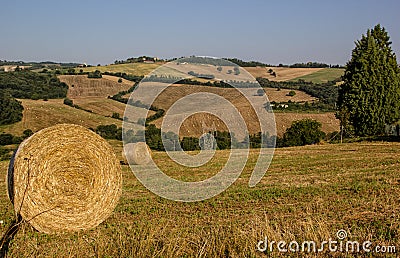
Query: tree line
11	109
30	85
26	85
10	139
300	133
326	92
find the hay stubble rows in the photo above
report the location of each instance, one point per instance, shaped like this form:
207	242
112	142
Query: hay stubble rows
308	193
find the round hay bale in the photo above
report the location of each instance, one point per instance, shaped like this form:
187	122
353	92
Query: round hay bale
64	178
136	153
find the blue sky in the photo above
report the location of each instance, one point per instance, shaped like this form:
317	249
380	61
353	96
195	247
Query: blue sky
268	31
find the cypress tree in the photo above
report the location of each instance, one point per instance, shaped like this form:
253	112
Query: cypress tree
369	98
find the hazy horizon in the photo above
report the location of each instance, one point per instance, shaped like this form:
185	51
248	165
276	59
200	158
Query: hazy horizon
100	32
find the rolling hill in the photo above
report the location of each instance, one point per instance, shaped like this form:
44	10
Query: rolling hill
193	125
316	75
39	114
79	86
130	68
91	94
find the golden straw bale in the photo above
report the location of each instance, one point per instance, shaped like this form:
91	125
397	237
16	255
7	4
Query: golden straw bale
64	178
136	153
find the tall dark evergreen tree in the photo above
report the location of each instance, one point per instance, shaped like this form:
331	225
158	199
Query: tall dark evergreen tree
369	98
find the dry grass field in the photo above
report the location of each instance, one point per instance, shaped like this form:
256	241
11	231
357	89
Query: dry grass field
282	73
82	87
308	194
132	68
285	120
193	125
39	114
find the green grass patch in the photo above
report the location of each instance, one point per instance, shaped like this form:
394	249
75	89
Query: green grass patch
321	76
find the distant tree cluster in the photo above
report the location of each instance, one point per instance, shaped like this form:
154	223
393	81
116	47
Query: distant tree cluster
302	132
116	115
38	65
309	65
10	109
5	154
109	131
246	63
139	59
313	65
30	85
70	102
203	76
221	84
10	139
159	113
25	84
262	140
119	96
272	72
129	77
96	74
154	137
204	60
327	92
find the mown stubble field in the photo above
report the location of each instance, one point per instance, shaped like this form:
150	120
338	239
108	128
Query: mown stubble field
308	193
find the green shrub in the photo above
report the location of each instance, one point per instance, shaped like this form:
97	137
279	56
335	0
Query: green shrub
6	139
95	74
116	115
303	132
68	102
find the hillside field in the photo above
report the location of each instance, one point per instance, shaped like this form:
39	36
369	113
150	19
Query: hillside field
321	76
39	114
193	125
315	75
131	68
79	86
282	73
308	193
91	94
